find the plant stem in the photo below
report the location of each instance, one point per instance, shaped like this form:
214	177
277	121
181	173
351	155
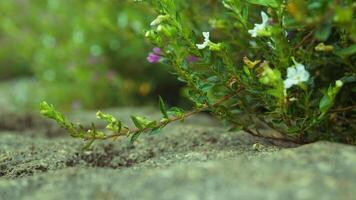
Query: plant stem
350	108
164	123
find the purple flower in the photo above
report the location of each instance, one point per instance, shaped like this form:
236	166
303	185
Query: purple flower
155	56
192	59
157	51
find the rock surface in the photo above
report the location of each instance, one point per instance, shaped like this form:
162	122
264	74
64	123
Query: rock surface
195	160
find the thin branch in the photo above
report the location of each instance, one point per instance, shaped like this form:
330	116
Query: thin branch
164	123
305	38
283	139
350	108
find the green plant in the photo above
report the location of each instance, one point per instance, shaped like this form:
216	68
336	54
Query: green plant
294	72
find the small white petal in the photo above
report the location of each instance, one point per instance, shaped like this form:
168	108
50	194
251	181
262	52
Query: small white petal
291	72
300	68
202	46
206	35
304	76
288	83
253	32
264	17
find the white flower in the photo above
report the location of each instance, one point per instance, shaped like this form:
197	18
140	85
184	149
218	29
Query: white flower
206	41
259	28
296	74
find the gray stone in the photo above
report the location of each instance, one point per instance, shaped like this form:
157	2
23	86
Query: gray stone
184	161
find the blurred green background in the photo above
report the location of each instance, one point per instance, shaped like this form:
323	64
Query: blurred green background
85	54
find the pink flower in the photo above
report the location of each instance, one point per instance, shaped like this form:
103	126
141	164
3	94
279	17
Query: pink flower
155	56
192	59
157	51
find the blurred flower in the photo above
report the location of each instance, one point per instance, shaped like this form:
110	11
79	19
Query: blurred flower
192	59
260	29
111	75
206	36
155	56
159	20
296	74
157	51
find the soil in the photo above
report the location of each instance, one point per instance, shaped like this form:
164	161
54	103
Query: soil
197	159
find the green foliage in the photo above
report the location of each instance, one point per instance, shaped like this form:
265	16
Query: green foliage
297	49
113	124
328	100
79	54
162	107
268	3
115	127
288	64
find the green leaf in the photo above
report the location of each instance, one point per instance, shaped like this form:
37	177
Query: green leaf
141	122
268	3
113	123
327	101
134	137
155	131
323	33
245	12
351	50
49	111
325	104
88	145
162	107
348	79
175	111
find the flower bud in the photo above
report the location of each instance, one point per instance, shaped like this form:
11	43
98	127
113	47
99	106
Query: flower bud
147	34
339	83
323	47
215	46
159	19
